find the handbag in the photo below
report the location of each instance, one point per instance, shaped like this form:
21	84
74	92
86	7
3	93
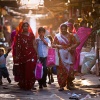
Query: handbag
38	70
52	58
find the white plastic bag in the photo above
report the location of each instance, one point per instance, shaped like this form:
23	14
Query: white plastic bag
93	69
82	55
88	63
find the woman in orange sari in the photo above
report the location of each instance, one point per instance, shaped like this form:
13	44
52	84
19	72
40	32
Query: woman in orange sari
66	44
25	57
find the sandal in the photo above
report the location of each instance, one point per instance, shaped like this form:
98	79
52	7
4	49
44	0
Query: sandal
61	89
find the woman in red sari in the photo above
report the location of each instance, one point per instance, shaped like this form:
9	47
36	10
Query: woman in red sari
65	43
25	57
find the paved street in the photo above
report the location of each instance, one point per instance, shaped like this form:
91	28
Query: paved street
88	86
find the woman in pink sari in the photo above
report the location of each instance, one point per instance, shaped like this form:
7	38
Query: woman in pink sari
65	43
83	33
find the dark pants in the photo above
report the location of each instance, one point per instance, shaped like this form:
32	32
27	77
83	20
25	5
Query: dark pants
4	73
43	80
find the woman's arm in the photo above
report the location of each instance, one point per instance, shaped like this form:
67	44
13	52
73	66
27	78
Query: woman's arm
74	44
57	45
35	46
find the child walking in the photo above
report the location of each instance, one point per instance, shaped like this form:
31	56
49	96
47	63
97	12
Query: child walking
3	69
50	68
42	46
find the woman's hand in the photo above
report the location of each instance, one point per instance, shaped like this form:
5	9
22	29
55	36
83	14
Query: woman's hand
63	47
37	57
69	48
58	46
15	59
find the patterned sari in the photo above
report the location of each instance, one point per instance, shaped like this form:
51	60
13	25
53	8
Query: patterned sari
64	70
25	59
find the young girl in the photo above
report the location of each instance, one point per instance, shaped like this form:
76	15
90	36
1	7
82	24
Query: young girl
50	69
3	69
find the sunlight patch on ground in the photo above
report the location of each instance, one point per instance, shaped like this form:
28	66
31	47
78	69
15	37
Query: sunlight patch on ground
55	95
85	82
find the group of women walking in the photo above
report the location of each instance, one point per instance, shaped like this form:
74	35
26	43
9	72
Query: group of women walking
26	50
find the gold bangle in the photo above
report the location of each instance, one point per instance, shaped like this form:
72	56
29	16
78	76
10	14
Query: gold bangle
69	47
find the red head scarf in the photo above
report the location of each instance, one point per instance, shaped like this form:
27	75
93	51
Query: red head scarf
19	29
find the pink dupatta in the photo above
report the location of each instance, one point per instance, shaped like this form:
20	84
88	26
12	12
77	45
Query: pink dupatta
83	33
